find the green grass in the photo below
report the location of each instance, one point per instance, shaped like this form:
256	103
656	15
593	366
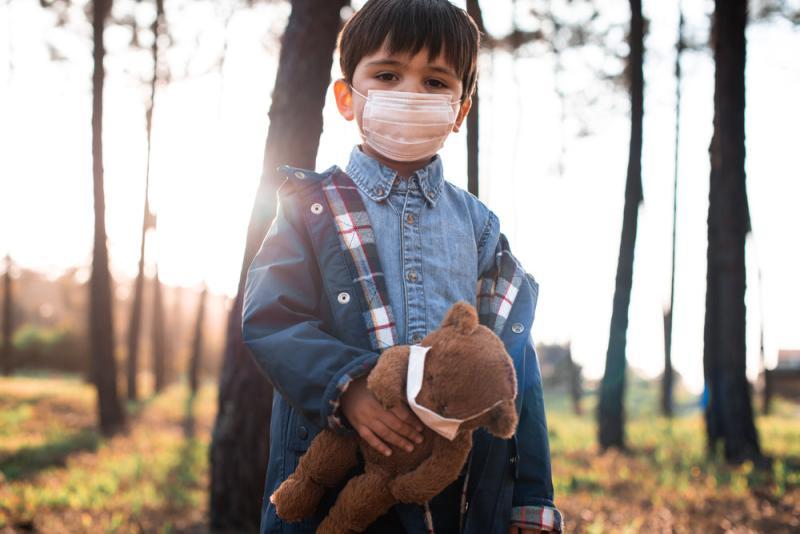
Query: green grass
58	475
666	479
151	477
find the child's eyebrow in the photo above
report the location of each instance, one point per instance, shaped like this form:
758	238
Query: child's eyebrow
443	70
386	62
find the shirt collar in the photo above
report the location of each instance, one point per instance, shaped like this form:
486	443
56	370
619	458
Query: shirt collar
375	179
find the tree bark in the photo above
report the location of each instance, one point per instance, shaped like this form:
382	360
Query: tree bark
148	220
240	439
611	409
158	336
8	321
667	377
473	119
197	343
729	413
104	365
575	387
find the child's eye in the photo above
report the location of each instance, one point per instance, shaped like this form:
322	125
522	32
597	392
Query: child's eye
437	83
386	76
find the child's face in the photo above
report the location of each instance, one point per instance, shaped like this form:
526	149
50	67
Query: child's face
400	72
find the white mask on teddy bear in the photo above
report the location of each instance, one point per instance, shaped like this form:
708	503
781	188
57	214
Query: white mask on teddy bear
444	426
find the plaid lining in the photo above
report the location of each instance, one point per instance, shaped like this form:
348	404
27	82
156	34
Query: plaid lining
358	239
543	518
498	288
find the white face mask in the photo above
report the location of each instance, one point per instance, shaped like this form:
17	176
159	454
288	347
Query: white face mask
443	426
406	126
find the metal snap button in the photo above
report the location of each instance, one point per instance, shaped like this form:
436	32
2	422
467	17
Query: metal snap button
412	275
379	191
416	338
517	328
302	432
343	297
300	174
410	219
316	208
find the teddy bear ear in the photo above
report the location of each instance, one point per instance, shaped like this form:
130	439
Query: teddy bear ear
462	316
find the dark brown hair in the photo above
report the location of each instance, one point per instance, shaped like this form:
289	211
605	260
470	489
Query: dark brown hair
411	26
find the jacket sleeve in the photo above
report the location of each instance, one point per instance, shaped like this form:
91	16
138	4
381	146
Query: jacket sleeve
282	326
532	505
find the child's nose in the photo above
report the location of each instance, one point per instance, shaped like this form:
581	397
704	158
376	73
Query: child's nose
412	86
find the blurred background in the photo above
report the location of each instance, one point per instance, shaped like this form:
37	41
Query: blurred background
640	155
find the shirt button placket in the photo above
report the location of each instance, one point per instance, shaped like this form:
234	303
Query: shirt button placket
412	263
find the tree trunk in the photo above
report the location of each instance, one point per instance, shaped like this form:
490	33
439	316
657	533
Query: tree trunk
159	352
575	387
197	342
104	365
611	410
239	450
667	377
473	119
729	413
8	321
174	342
148	220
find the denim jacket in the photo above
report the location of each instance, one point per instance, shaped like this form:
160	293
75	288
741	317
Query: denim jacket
311	335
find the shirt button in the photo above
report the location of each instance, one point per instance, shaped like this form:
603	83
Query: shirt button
302	432
300	174
343	297
412	275
410	219
517	328
379	191
316	208
416	338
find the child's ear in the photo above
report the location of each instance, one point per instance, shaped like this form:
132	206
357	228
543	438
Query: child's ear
344	99
462	113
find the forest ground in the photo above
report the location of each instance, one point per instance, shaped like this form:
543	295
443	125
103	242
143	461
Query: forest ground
58	475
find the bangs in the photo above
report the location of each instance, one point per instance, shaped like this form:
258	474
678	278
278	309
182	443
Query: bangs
410	26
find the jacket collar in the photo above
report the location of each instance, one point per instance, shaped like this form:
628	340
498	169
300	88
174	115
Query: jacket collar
375	179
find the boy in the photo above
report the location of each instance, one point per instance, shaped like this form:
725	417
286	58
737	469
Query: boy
358	261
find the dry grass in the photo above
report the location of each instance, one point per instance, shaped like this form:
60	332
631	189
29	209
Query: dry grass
57	475
60	476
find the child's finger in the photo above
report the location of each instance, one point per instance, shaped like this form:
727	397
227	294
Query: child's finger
373	441
404	414
388	434
402	427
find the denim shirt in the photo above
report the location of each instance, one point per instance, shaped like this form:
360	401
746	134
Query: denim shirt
310	338
431	238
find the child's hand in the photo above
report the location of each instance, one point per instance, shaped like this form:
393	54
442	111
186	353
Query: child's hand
377	425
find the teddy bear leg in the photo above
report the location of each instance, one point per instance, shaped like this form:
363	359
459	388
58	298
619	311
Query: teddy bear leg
363	500
328	459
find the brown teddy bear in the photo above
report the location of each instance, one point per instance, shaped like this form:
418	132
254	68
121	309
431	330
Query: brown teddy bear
459	378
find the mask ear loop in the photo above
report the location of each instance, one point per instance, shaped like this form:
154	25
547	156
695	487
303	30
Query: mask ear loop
354	90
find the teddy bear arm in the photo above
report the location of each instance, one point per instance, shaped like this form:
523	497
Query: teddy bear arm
435	473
